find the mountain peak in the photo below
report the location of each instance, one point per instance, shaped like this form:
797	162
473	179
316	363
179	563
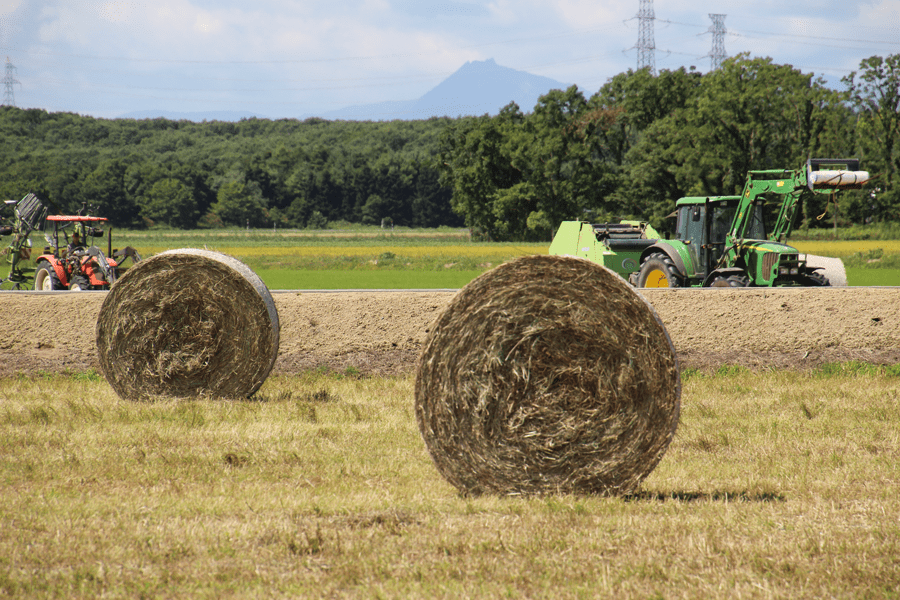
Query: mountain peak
476	88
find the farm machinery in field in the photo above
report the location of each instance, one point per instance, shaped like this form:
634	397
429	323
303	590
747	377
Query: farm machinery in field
721	241
29	214
68	262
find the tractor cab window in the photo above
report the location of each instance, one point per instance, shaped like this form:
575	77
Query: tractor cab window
757	228
691	223
722	218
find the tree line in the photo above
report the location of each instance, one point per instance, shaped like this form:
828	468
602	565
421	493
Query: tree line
256	172
627	151
641	142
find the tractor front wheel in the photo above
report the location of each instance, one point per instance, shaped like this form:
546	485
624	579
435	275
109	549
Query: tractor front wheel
658	270
731	281
79	283
45	279
816	279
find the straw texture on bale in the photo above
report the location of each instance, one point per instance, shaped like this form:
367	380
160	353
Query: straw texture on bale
187	323
548	374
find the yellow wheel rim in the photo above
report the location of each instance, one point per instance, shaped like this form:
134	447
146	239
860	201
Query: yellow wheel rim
656	278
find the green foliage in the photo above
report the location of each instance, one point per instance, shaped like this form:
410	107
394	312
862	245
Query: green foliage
641	142
172	203
875	94
240	202
162	172
516	176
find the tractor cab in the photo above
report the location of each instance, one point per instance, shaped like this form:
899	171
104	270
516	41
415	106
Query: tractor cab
703	223
72	234
72	261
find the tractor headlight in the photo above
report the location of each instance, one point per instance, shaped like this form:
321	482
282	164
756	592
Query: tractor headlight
784	270
795	271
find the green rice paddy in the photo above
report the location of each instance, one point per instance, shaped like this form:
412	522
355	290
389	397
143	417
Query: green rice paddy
372	258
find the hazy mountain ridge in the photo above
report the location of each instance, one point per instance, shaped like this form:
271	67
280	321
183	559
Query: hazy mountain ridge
477	88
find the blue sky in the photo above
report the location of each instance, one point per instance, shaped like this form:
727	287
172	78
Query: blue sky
284	59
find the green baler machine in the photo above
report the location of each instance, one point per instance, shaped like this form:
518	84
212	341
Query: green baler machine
617	246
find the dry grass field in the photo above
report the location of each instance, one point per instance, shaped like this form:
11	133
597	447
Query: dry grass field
779	484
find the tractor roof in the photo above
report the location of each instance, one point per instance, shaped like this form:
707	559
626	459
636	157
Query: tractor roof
75	218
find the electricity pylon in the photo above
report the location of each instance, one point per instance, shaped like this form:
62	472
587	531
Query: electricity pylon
9	98
717	54
645	45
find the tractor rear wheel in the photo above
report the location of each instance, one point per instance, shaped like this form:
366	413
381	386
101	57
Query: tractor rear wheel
658	270
45	278
79	283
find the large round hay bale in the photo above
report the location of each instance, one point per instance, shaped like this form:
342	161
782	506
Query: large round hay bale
187	323
548	374
832	268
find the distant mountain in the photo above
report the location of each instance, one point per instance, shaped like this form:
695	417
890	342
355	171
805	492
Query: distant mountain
477	88
222	115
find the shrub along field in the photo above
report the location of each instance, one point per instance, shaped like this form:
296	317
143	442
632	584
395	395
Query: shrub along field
777	485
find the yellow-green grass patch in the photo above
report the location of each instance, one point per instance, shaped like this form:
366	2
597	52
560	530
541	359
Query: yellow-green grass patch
841	248
356	279
496	251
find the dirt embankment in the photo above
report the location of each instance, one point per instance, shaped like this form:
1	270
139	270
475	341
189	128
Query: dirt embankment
382	332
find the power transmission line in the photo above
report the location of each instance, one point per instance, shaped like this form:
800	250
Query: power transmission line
717	54
9	98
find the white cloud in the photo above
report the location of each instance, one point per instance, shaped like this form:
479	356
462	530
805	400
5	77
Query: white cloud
332	54
587	13
9	6
884	15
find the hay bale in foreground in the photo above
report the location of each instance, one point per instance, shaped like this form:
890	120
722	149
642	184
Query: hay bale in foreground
547	374
187	323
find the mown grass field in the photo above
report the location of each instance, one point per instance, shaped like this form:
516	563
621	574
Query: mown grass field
777	485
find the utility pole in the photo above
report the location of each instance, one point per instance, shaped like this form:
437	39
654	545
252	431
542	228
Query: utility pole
645	45
717	54
9	99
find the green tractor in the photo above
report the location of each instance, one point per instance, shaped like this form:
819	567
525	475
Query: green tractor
721	241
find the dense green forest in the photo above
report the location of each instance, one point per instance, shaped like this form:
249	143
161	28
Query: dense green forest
629	150
641	142
255	172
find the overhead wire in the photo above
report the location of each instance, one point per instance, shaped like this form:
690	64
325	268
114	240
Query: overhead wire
389	80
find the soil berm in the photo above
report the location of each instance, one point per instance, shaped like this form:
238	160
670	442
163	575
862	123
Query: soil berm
382	332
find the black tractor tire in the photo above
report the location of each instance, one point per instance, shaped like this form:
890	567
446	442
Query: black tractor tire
816	279
735	281
79	283
658	270
45	278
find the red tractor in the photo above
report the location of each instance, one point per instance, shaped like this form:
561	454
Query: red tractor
77	264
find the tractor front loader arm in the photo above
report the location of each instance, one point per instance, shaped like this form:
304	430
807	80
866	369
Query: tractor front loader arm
129	252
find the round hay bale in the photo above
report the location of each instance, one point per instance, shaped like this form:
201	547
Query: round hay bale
548	374
832	268
187	323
